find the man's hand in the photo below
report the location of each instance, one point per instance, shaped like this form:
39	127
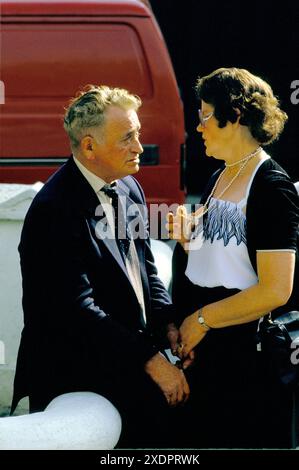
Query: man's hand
174	339
169	378
172	335
188	360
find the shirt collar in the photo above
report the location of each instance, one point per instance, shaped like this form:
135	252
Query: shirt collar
95	181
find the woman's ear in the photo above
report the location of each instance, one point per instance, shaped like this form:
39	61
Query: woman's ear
238	113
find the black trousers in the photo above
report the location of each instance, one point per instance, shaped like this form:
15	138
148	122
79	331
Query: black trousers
148	422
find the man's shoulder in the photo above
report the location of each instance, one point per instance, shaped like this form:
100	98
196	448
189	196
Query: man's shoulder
133	188
52	188
57	190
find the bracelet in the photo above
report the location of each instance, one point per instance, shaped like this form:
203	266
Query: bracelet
201	320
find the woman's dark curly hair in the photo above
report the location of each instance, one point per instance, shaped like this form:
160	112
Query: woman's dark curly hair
232	89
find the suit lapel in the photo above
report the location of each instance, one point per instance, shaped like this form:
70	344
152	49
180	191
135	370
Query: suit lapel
87	203
103	235
134	216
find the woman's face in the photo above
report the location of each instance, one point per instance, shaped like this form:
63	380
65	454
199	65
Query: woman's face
218	141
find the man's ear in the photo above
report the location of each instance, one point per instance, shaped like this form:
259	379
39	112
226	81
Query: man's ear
87	147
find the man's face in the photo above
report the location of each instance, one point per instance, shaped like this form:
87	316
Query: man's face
117	152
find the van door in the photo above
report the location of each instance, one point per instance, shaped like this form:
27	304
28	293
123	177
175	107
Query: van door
46	58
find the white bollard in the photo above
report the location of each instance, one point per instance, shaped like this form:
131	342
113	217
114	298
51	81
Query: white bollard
73	421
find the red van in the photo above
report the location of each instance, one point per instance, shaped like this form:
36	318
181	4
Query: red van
52	48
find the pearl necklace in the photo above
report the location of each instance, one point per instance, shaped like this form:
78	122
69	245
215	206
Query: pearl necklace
243	162
252	154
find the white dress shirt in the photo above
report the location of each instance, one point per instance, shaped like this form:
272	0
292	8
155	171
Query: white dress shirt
97	184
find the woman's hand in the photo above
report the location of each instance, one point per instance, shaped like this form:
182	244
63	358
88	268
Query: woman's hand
191	333
179	225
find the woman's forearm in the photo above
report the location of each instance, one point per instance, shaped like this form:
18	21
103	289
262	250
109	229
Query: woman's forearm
246	306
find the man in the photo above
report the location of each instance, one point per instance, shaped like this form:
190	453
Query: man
91	302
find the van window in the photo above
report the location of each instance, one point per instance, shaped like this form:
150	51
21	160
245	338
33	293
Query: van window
70	52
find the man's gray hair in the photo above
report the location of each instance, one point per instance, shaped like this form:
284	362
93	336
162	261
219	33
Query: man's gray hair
86	112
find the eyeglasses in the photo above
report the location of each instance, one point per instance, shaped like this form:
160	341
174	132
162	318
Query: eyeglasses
203	119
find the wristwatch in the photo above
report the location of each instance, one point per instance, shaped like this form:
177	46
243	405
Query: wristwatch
201	321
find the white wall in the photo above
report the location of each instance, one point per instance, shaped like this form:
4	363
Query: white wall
14	202
10	302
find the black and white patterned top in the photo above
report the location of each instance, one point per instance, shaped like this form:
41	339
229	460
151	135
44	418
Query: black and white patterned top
218	254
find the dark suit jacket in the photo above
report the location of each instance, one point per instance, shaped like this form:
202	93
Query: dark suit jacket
81	314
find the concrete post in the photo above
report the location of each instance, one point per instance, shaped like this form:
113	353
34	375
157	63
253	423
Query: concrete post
73	421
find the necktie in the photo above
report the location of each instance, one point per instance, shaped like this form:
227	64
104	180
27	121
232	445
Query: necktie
127	250
121	228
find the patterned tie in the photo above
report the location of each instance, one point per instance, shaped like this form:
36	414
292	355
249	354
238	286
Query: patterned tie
121	227
128	253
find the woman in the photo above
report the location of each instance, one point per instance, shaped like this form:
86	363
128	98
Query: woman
238	264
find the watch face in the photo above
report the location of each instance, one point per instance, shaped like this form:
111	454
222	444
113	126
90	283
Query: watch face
202	322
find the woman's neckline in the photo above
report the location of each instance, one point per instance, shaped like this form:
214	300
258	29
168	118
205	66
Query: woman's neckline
257	167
